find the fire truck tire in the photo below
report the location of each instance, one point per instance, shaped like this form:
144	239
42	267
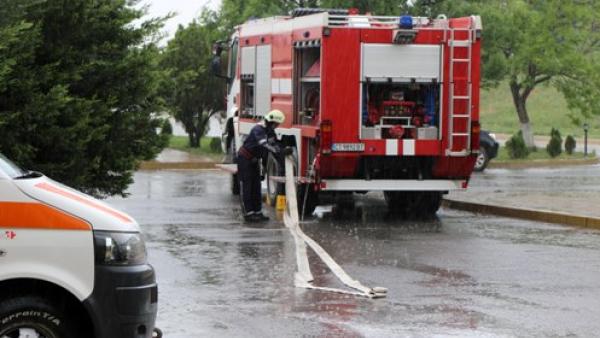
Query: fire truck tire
413	203
235	185
274	168
33	316
235	182
312	198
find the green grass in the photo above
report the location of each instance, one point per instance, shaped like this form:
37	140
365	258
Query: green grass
182	143
540	154
547	109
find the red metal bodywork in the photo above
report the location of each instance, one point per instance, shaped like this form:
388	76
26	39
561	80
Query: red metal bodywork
340	64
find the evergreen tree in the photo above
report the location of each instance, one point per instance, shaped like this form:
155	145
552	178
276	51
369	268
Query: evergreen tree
78	92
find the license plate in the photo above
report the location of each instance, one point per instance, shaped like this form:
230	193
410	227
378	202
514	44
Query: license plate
348	147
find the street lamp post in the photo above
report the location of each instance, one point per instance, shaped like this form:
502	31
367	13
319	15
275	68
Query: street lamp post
585	132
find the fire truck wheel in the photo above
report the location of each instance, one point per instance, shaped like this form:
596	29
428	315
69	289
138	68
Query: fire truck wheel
235	182
312	198
274	168
235	185
31	316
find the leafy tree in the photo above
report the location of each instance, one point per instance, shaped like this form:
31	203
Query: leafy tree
78	98
192	92
530	43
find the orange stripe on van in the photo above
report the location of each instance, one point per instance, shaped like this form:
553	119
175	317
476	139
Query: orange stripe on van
37	216
54	189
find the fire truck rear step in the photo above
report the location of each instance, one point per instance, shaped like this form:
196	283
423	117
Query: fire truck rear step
391	185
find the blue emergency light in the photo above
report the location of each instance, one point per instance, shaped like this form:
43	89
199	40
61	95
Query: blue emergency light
406	22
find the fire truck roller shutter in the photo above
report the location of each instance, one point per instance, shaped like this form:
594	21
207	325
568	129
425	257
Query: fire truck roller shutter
401	63
248	60
263	80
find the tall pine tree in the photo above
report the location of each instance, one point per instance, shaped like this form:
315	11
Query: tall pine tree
78	91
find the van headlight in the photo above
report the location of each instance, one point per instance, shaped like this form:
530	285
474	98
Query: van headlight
119	248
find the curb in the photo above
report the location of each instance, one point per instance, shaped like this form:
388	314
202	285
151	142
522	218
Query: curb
154	165
527	214
541	163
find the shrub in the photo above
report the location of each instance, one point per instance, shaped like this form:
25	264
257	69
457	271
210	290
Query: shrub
167	128
570	144
554	147
215	145
516	146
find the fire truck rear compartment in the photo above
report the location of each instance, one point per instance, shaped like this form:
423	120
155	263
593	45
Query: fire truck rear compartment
400	111
400	91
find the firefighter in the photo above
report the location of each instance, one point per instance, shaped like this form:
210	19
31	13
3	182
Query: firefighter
256	147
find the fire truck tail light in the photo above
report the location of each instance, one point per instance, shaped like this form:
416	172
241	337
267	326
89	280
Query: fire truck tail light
326	138
475	127
475	130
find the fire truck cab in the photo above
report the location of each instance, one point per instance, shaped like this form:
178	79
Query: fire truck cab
372	103
70	266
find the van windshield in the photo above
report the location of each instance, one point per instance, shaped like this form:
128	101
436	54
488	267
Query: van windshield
11	169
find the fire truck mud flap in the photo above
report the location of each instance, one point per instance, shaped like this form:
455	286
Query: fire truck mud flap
304	277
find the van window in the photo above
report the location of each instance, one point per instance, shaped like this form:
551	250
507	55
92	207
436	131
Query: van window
11	169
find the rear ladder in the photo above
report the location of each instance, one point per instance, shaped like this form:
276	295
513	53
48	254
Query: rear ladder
460	104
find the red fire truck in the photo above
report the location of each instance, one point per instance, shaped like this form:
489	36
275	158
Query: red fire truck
372	103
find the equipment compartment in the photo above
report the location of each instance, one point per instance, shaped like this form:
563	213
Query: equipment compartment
399	110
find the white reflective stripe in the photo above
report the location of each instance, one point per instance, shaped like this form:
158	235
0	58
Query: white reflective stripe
304	277
392	185
263	141
275	86
285	86
391	147
408	147
281	86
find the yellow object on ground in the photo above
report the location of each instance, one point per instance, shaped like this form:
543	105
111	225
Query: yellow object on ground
280	203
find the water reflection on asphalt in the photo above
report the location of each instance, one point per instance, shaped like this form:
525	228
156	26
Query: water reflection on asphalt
457	275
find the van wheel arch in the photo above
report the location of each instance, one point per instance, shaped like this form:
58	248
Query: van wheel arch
49	295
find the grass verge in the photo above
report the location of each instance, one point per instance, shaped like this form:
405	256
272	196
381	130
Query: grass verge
540	155
546	106
182	143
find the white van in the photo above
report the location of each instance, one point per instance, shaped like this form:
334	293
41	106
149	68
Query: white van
70	266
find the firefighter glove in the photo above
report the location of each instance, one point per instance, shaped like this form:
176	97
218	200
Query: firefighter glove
273	148
287	151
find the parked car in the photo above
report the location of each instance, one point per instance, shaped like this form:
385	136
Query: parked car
488	149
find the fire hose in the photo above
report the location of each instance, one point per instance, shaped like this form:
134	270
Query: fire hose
303	277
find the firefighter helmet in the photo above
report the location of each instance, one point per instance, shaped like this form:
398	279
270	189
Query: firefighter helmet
275	116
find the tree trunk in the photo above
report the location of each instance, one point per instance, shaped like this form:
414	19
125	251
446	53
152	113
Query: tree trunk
194	140
520	101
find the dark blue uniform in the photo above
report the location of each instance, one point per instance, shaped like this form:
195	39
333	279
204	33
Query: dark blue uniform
255	148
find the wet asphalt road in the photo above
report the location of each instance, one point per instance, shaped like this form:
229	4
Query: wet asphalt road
459	275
